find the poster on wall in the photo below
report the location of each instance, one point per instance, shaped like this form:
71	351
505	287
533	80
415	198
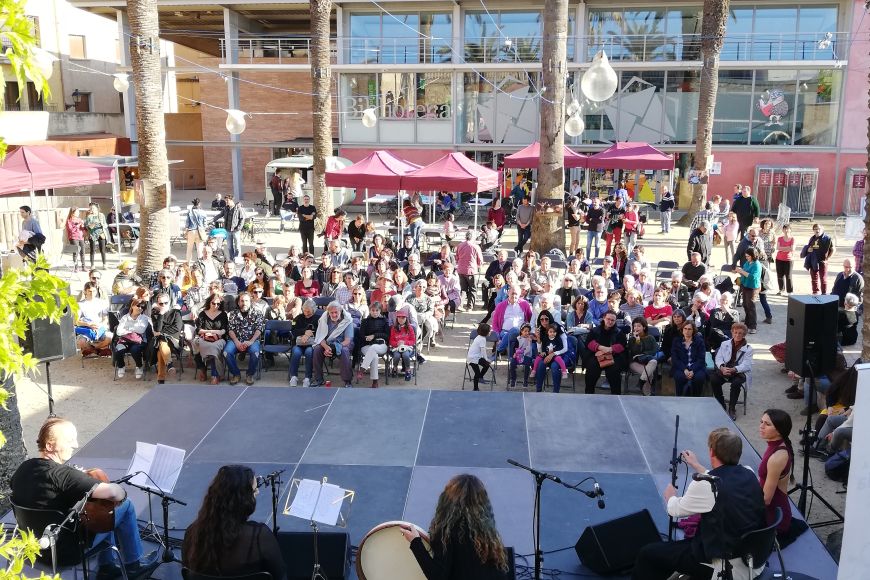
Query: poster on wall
779	179
794	179
859	181
764	178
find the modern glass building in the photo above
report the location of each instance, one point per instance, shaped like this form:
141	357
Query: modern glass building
447	76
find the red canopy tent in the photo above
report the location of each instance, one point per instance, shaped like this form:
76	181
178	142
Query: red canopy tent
453	172
528	157
48	168
629	155
13	182
380	170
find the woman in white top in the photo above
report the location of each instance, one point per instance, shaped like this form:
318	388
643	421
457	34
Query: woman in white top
132	330
92	324
477	358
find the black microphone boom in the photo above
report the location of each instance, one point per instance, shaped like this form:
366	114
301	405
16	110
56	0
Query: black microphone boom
127	477
712	479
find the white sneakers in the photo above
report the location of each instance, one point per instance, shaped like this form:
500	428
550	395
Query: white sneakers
293	381
306	382
139	372
121	372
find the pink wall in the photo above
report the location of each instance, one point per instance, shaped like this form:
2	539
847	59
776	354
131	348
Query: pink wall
855	91
419	156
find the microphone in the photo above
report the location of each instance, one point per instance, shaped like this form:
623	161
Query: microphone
711	479
47	535
600	493
127	477
262	481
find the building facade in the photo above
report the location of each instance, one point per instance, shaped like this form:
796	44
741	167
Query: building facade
791	113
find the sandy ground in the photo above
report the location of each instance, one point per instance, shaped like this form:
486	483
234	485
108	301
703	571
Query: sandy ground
88	396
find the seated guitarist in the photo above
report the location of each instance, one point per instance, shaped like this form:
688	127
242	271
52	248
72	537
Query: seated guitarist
46	482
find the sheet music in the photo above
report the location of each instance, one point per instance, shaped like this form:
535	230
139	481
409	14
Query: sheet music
306	499
329	504
162	462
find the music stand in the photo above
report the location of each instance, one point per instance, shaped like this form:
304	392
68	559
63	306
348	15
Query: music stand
318	502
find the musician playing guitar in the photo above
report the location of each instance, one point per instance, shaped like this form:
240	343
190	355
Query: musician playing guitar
46	482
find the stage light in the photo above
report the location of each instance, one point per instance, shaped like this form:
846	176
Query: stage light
121	82
369	118
599	82
236	121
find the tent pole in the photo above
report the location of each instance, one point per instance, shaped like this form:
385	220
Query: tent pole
366	202
476	207
116	195
432	208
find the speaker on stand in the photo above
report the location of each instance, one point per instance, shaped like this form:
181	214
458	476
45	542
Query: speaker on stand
50	341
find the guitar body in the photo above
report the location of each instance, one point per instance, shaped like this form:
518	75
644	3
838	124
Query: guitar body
99	514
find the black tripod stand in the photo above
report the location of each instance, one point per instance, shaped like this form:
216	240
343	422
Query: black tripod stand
165	501
273	480
808	440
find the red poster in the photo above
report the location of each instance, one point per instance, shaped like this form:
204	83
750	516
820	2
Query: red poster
809	179
779	178
764	178
859	181
794	179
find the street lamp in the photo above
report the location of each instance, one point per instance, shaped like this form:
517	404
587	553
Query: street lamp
77	97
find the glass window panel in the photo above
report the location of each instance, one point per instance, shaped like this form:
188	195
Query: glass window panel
604	27
434	96
640	107
572	41
738	35
520	24
480	38
439	28
500	107
400	40
817	109
733	103
365	37
813	23
643	35
681	105
774	107
774	34
683	28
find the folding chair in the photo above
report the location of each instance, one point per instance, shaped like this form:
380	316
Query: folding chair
277	340
394	366
571	365
668	265
323	301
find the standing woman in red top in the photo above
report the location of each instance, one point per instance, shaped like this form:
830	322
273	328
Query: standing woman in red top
784	256
631	224
411	208
75	234
496	214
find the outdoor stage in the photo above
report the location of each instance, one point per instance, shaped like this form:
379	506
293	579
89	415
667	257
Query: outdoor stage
398	447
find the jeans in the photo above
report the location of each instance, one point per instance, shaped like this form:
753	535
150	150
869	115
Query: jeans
541	374
523	235
234	244
686	387
666	222
414	231
505	338
405	356
134	350
592	237
819	278
298	353
253	351
762	298
125	536
512	370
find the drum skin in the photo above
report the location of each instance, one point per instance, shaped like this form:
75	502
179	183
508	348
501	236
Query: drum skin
384	554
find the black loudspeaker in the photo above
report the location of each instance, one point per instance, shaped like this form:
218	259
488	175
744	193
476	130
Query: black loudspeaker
811	334
612	547
49	341
297	548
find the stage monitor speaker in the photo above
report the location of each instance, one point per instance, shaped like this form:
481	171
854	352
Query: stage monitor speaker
612	547
297	548
811	334
49	341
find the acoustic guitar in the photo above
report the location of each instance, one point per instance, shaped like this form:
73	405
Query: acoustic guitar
99	514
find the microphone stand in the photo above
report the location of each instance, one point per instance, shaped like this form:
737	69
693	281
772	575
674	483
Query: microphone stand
675	462
273	480
540	477
53	530
165	500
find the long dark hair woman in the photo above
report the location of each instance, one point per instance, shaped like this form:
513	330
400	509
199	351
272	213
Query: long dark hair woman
465	542
775	470
221	541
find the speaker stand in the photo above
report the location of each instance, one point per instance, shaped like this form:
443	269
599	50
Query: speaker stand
808	439
48	389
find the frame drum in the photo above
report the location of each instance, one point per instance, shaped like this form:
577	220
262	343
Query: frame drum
384	554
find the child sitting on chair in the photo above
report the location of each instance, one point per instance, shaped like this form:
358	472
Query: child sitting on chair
549	345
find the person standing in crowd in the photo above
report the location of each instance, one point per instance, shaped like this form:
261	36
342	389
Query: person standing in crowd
411	208
700	242
632	226
858	252
277	187
463	535
195	222
75	236
95	223
246	325
307	214
477	358
730	231
31	238
816	254
222	541
733	364
708	214
573	218
734	508
525	215
469	258
784	257
666	208
746	208
615	223
595	223
750	285
232	222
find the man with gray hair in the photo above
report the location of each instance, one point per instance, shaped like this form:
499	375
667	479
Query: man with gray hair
469	258
333	339
708	214
693	270
701	241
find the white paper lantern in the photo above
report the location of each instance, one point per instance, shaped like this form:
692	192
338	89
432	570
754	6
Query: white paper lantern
599	82
572	108
236	121
369	118
575	126
43	61
121	82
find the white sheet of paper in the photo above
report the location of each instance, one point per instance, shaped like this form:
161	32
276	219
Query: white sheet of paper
166	466
329	504
306	499
142	460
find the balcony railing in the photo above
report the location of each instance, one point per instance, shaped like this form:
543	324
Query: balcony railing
496	50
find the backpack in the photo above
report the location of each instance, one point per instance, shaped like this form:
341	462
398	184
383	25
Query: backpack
837	465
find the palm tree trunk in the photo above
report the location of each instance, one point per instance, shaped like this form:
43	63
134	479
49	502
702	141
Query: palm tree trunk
712	37
151	134
321	103
547	229
13	453
865	328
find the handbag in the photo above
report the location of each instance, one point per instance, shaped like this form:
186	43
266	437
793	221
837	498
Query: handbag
605	359
131	338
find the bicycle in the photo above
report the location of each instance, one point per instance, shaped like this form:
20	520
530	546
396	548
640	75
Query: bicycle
252	228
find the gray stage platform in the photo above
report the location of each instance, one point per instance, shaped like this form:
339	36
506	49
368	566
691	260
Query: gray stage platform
397	448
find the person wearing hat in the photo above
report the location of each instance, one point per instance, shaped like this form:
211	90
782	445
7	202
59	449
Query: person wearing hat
126	281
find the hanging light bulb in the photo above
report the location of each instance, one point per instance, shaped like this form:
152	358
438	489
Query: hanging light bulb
236	121
572	108
599	81
369	118
575	126
43	61
121	82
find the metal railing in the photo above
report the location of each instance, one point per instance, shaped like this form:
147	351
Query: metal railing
619	47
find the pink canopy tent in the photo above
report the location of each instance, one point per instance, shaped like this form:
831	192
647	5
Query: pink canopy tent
13	182
631	156
529	157
379	170
453	172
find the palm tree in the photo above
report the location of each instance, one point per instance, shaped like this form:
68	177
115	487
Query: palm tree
321	103
712	37
547	230
865	329
151	134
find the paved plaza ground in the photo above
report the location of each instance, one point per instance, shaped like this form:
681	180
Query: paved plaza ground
89	397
